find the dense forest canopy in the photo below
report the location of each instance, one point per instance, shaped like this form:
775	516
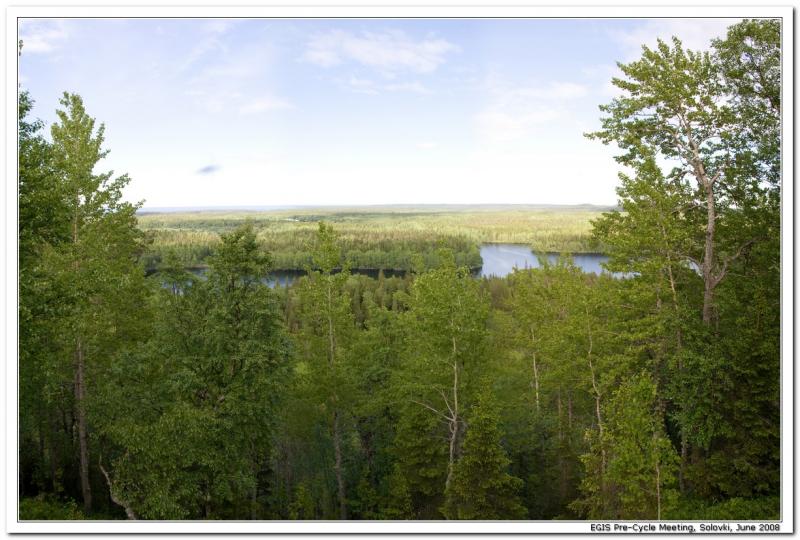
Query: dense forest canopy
546	394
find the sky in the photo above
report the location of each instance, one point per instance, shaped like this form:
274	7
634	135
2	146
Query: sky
281	112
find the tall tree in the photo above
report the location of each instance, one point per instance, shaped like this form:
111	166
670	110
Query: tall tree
631	464
328	326
191	412
43	222
447	338
701	240
97	266
673	107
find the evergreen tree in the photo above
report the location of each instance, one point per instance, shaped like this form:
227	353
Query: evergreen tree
191	412
481	487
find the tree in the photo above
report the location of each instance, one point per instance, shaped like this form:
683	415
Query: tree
749	62
96	268
636	477
327	326
481	487
192	411
447	338
701	242
43	222
673	108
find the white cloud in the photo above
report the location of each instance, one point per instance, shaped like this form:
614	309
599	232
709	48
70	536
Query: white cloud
42	35
427	145
369	86
413	87
498	125
514	112
242	82
264	104
553	91
361	86
212	40
695	34
387	52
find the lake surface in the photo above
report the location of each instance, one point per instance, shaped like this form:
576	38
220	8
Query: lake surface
499	260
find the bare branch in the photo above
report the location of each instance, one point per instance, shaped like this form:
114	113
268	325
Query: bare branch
437	411
447	403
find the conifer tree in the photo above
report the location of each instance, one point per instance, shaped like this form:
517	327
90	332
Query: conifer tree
481	487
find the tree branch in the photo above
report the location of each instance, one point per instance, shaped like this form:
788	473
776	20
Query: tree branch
739	252
437	411
128	510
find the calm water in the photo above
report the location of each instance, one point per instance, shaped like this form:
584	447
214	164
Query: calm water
499	260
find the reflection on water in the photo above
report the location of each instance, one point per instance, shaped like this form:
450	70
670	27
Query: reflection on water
499	260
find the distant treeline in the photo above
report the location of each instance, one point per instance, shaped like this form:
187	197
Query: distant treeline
372	239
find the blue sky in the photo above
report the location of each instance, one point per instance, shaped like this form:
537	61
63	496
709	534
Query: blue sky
226	112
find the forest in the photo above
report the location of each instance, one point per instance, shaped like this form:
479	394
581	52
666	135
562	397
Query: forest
373	238
148	393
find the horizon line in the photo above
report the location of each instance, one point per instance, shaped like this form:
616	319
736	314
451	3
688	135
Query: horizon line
198	208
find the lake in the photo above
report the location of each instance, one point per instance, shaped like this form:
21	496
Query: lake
499	260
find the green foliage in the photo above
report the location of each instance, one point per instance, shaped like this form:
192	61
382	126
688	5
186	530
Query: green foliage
482	488
736	509
43	507
211	379
389	238
630	465
398	505
546	394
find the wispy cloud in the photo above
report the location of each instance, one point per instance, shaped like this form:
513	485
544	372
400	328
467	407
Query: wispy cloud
264	104
372	87
240	82
514	111
212	39
388	52
42	35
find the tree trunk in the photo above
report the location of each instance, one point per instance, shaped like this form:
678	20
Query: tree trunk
337	436
658	483
597	396
124	504
454	420
562	466
80	410
535	372
52	447
708	257
684	461
337	450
